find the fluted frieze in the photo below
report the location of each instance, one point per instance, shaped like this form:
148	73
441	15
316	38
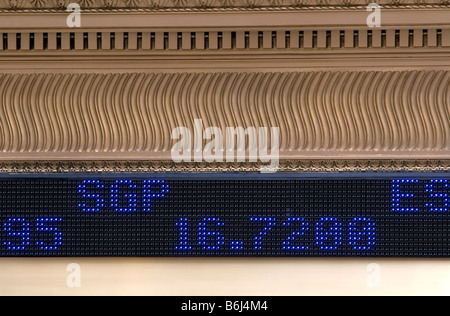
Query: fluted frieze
360	115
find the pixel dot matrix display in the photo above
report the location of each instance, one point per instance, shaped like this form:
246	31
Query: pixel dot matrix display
224	215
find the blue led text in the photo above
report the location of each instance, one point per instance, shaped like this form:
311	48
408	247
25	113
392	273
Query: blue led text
122	196
303	227
407	195
330	234
21	232
209	237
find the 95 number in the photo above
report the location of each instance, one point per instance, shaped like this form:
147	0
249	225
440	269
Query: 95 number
20	234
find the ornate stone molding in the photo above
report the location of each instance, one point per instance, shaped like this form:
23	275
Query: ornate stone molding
321	115
70	44
106	97
302	166
210	5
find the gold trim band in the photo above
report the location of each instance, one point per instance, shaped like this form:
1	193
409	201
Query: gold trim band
286	166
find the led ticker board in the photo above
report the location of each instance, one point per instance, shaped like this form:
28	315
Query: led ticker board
344	215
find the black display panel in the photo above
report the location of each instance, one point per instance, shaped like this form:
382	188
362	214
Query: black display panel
346	215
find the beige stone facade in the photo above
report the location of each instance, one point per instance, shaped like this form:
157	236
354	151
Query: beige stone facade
106	96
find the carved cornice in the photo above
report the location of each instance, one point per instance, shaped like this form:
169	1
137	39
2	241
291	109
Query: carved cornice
213	5
321	115
365	120
298	166
147	43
